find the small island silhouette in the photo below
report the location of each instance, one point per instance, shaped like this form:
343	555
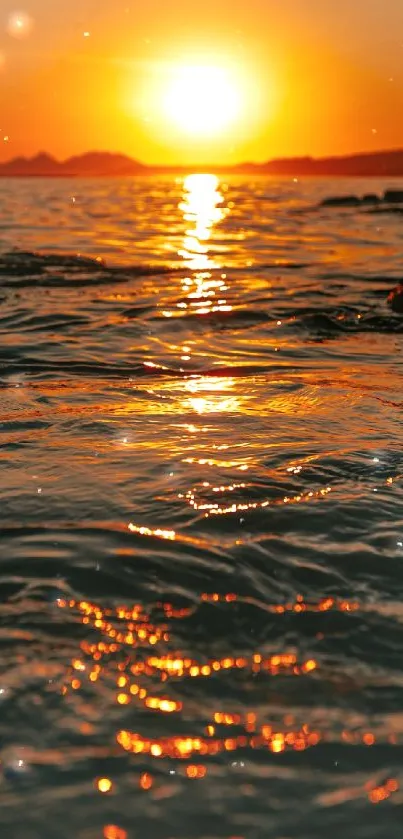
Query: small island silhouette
109	164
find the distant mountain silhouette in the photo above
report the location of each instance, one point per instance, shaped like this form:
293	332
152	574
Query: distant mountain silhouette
100	163
91	164
109	164
42	163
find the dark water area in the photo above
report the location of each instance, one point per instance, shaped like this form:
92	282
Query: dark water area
201	545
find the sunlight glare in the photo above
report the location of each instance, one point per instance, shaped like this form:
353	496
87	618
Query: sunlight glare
202	208
202	100
209	396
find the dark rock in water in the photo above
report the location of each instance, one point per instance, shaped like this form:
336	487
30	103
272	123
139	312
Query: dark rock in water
393	196
395	299
371	198
341	201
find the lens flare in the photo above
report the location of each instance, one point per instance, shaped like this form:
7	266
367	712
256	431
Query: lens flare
19	24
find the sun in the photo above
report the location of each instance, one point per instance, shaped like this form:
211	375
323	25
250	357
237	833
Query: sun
202	100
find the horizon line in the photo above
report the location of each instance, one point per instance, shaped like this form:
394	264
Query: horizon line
257	163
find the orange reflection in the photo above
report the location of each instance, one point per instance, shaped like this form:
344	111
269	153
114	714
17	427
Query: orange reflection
196	771
111	831
211	396
149	667
383	792
146	781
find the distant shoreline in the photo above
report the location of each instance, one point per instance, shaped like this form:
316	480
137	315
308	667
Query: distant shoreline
382	164
205	171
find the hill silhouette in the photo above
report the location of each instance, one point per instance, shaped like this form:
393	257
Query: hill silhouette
110	164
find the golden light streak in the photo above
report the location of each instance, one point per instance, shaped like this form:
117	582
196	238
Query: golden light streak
146	531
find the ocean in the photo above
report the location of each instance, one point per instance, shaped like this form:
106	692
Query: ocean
201	509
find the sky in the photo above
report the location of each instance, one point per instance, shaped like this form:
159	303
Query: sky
273	78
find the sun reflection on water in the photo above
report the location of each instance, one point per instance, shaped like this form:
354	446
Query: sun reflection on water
211	396
136	654
202	208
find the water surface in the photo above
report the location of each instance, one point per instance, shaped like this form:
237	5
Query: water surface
201	509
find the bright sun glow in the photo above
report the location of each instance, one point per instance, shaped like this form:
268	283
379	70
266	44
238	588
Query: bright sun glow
202	100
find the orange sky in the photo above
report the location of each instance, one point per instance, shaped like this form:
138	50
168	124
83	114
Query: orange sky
317	76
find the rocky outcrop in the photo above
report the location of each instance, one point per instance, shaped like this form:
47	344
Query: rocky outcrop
341	201
392	198
395	299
